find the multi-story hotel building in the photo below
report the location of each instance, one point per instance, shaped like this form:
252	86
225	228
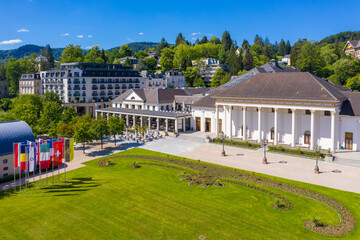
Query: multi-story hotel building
30	84
210	65
161	79
352	48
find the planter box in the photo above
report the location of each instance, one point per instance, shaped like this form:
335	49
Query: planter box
329	159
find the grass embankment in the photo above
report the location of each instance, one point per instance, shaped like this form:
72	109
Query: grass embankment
150	202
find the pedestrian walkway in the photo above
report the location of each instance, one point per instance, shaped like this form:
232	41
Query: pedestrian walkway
331	175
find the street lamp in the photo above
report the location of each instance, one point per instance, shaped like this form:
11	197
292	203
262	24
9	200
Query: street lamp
264	143
317	150
222	135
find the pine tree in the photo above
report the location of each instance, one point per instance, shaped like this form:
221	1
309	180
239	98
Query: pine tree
287	47
235	61
179	40
49	58
204	40
197	42
267	41
256	38
248	61
163	44
281	48
245	45
226	40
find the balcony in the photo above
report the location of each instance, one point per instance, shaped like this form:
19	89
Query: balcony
84	94
110	80
117	93
110	87
102	87
137	86
69	87
110	93
76	87
76	94
83	87
94	87
94	94
130	86
123	86
69	94
76	81
94	81
116	80
102	93
83	81
117	86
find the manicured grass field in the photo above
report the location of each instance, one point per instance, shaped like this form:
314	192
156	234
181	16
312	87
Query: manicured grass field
150	202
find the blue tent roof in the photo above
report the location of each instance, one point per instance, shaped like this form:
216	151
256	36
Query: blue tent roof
14	132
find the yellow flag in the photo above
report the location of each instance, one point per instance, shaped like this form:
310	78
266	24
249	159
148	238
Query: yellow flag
71	150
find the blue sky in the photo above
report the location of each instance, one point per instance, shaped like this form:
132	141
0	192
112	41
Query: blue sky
110	23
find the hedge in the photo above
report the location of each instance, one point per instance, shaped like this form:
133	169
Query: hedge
296	152
245	144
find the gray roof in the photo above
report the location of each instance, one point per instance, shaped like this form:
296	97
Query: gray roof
13	132
351	107
145	113
355	43
153	96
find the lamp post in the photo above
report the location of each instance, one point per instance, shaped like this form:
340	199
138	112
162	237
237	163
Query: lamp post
222	135
265	143
317	149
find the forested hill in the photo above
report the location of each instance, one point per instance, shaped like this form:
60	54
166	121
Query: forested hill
27	50
341	37
140	46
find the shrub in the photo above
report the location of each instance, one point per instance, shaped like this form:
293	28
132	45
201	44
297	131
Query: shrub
231	142
297	151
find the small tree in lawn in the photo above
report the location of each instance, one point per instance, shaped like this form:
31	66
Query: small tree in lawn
83	132
116	126
101	129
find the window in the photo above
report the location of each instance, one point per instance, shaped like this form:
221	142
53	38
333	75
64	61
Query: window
326	113
307	112
6	168
5	161
289	110
5	175
272	134
307	137
272	110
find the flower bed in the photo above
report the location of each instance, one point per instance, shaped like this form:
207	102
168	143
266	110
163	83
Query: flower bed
347	220
296	152
237	143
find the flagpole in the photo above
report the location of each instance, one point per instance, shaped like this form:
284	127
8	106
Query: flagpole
53	170
26	162
14	168
39	147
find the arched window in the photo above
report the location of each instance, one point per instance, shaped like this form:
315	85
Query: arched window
272	133
307	137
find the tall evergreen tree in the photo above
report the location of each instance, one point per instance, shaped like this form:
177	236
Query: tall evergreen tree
179	40
163	44
245	45
49	58
235	61
197	42
267	41
248	61
204	40
281	48
256	38
226	40
287	47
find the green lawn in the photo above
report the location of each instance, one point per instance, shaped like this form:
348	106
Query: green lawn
150	202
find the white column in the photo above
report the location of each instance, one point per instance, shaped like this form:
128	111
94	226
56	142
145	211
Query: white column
217	120
293	127
127	120
141	121
259	124
202	124
244	124
312	130
108	116
157	123
149	123
224	120
230	121
134	120
176	125
183	121
333	115
167	125
276	126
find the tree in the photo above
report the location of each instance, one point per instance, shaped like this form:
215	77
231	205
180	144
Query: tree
141	54
245	46
5	104
226	40
163	44
235	61
51	97
94	55
51	114
345	69
2	72
310	59
287	47
281	48
151	63
179	40
267	41
204	40
68	115
101	129
14	70
215	40
65	130
248	61
191	75
216	79
167	58
72	54
116	126
353	83
199	82
296	51
127	63
49	58
329	54
225	79
142	65
125	51
83	131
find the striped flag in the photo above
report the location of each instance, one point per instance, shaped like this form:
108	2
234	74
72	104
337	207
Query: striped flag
22	155
44	155
31	157
69	150
16	155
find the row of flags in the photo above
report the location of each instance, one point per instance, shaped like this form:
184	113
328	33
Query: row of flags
28	156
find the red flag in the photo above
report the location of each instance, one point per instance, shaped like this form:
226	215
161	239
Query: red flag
16	155
58	153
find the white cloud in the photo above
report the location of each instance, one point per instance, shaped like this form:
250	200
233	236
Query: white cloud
209	34
13	41
80	36
195	33
89	47
129	39
23	30
89	36
65	34
141	33
194	38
